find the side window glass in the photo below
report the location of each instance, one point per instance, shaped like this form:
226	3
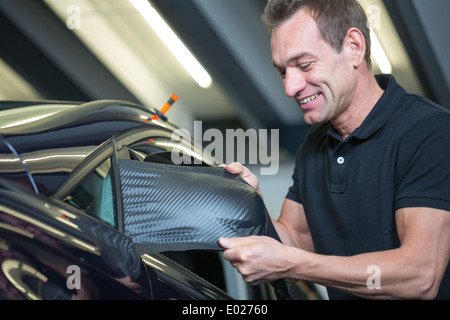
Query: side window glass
159	150
95	195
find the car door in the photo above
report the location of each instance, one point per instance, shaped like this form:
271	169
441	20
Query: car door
94	189
47	251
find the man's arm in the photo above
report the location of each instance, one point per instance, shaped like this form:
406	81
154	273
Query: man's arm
292	226
414	270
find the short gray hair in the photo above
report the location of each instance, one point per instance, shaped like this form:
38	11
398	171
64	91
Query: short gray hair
334	18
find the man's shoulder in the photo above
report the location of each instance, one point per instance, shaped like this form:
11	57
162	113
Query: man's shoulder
419	112
410	106
425	106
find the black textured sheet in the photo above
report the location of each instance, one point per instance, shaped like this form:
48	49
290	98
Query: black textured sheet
178	208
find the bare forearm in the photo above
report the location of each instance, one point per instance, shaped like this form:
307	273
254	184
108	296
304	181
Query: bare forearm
379	275
292	239
292	226
284	235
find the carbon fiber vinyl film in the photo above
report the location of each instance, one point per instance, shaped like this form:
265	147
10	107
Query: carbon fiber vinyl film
177	208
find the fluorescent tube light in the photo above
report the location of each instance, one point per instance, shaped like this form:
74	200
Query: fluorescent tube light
175	45
379	54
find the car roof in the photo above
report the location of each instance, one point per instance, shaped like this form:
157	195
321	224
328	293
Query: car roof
47	140
27	117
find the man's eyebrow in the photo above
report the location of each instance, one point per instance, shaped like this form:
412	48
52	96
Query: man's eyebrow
276	66
293	59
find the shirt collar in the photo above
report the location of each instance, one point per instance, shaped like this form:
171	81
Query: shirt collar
392	97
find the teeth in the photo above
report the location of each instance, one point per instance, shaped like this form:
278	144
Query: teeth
309	99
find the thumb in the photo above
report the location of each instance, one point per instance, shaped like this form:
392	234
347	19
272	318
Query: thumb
225	243
234	168
230	243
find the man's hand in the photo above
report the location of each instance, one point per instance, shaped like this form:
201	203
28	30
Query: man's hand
258	259
245	173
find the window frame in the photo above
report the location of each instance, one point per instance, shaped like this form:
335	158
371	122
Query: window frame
117	147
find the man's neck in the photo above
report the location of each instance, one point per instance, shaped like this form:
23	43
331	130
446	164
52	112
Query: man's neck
366	96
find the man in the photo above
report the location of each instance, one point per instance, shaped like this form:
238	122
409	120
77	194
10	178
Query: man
368	214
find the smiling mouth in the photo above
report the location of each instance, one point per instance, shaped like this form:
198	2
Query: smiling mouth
309	99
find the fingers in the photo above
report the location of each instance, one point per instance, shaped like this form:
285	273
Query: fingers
234	252
249	255
224	243
245	173
230	243
232	248
234	168
241	250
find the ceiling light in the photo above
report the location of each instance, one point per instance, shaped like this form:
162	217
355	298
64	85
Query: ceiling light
171	40
379	54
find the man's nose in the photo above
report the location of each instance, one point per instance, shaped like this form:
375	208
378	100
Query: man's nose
294	83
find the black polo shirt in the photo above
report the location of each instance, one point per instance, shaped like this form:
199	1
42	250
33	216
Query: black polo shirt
350	190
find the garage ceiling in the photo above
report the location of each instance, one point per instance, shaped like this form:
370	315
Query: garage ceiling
115	54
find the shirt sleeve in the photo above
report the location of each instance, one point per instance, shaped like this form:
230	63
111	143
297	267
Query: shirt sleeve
423	172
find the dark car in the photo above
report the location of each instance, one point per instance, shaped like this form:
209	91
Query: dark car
62	214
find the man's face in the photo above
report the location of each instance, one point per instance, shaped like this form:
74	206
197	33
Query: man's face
318	78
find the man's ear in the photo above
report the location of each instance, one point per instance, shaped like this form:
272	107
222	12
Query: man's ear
355	42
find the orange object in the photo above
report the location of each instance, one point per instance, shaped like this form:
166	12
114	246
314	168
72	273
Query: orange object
166	106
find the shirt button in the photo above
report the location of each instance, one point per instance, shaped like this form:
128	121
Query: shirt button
340	160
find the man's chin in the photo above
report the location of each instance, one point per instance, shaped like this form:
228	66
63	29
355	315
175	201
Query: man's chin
313	120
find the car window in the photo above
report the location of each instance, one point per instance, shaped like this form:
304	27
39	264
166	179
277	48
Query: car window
160	150
95	195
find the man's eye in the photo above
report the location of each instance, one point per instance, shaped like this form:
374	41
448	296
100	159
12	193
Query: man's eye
305	66
282	73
